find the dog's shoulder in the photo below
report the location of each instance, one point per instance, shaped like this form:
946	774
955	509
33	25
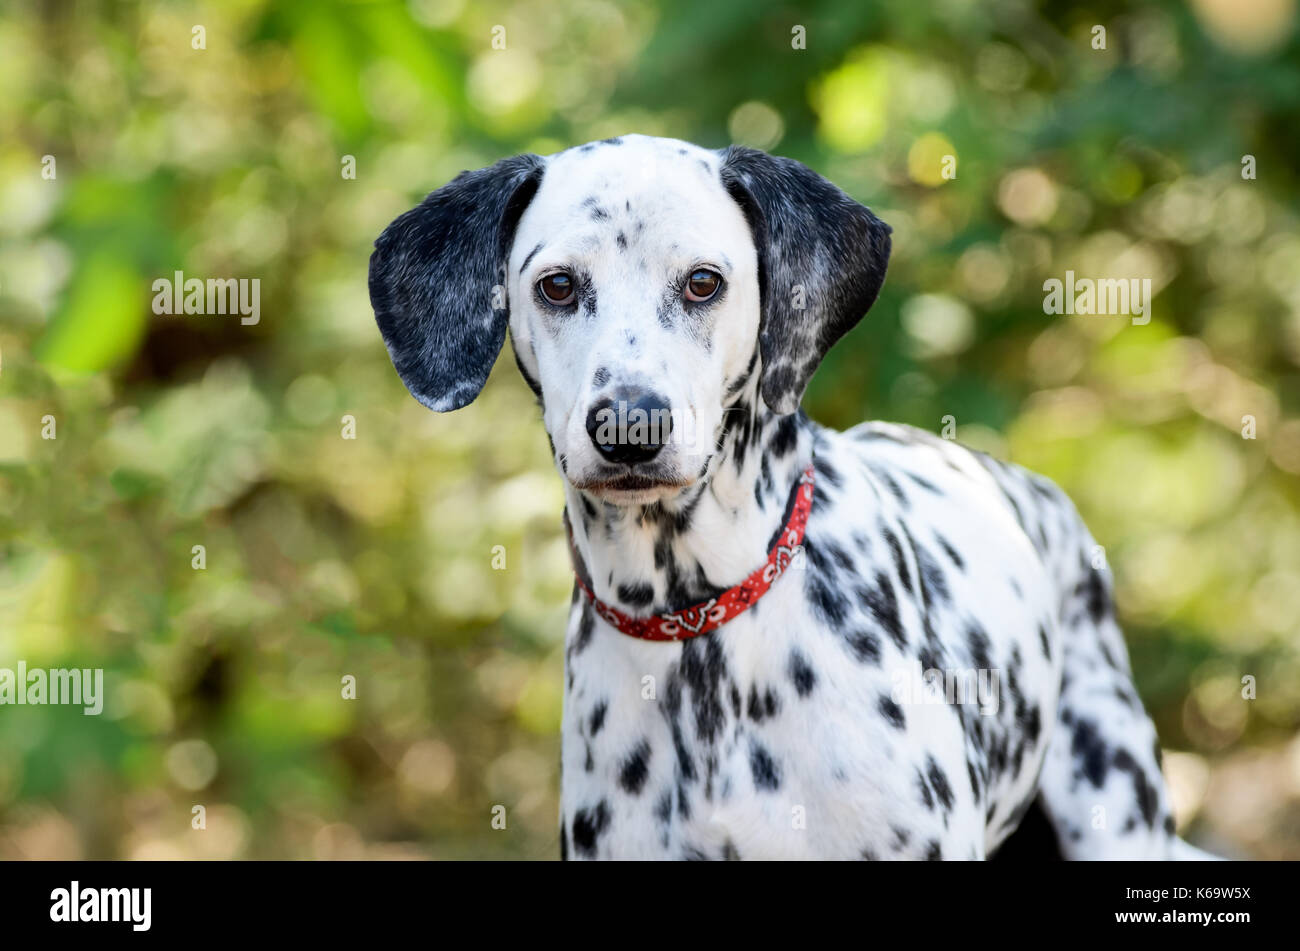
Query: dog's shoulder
940	466
981	499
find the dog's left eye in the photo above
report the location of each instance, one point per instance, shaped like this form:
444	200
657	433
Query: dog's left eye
557	288
702	285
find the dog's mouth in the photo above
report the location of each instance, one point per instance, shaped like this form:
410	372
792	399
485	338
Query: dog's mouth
632	488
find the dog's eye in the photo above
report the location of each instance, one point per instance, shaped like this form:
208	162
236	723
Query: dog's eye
557	288
702	285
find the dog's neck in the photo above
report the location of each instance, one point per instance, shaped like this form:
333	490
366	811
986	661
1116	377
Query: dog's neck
675	554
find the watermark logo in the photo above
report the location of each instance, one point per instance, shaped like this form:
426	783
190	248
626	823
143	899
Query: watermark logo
617	425
133	905
955	685
227	295
1105	297
56	686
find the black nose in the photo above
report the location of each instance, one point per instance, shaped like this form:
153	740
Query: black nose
631	427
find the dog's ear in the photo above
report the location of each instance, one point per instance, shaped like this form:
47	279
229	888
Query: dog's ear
438	281
821	261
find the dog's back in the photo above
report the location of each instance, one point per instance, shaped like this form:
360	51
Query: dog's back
1100	781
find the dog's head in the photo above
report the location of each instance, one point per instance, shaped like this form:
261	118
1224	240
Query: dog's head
645	282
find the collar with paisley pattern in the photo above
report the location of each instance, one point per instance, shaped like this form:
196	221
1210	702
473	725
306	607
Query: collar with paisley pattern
712	614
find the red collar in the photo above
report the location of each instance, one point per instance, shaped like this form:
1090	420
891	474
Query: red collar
715	612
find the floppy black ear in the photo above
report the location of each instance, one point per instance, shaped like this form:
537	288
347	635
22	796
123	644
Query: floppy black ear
438	281
821	261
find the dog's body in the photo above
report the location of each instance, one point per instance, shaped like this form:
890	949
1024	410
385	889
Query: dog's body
662	275
797	730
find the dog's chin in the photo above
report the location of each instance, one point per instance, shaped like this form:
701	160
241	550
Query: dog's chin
632	489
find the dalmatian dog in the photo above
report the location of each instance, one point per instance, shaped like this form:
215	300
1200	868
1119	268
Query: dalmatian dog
785	642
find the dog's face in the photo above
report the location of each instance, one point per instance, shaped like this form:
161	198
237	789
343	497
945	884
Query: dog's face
645	282
634	289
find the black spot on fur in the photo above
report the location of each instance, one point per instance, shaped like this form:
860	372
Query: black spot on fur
586	625
1095	595
892	485
892	712
939	782
842	559
784	437
934	581
801	674
864	645
703	668
883	605
635	769
766	774
901	838
664	807
829	603
762	706
928	486
588	826
951	552
1148	798
927	797
980	645
827	472
900	565
672	710
1089	749
636	595
1029	723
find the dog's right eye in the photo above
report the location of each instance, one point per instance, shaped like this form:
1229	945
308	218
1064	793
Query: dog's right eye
557	288
702	285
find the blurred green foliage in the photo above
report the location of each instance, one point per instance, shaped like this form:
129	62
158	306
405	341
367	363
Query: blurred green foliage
372	557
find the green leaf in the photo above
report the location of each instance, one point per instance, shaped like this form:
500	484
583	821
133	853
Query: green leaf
103	318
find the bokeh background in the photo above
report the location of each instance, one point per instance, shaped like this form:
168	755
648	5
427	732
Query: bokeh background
372	557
